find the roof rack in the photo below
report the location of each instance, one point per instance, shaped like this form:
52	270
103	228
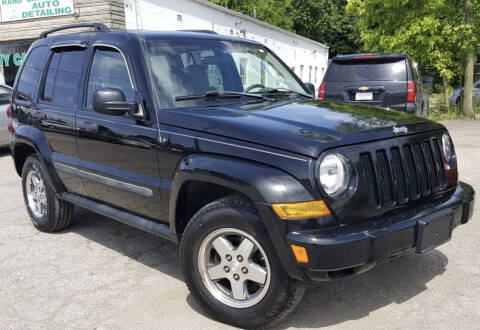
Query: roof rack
99	27
199	31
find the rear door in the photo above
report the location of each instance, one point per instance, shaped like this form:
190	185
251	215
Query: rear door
378	82
54	114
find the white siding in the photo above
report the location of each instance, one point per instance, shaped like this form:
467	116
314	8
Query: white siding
298	52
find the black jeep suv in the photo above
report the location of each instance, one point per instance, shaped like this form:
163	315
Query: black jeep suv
211	142
383	80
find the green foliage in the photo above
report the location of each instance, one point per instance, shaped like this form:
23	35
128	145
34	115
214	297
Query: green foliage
437	111
327	21
430	31
270	11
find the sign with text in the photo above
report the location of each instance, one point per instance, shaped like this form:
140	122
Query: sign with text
11	57
14	10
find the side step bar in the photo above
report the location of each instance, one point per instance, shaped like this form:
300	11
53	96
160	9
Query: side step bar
149	226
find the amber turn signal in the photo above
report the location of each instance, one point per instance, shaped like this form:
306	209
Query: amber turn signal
302	210
300	253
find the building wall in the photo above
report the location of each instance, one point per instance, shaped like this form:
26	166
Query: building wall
308	58
17	36
110	12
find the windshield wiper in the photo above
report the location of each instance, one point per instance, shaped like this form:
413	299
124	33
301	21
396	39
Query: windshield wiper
223	94
286	91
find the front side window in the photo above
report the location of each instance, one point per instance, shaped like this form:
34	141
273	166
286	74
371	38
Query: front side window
31	73
195	67
109	70
62	81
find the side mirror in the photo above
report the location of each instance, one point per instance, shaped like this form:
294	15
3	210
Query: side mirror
428	80
310	87
111	101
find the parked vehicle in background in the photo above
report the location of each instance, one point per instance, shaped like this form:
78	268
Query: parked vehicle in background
5	93
384	80
456	98
263	187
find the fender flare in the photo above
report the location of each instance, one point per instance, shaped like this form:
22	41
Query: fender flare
34	138
261	183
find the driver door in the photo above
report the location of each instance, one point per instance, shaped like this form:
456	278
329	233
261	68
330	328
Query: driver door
118	155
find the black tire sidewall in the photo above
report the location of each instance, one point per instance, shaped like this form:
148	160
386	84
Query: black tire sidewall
47	221
197	230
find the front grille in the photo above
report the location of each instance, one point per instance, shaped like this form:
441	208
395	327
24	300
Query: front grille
401	174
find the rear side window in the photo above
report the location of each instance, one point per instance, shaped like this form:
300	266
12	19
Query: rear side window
357	71
4	95
62	81
31	73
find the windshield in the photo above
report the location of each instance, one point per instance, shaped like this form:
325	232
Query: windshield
195	67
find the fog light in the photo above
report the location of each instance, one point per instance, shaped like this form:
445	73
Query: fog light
300	253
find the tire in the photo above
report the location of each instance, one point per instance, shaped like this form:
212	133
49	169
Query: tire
236	220
37	191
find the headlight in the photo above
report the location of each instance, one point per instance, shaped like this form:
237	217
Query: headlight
334	174
449	156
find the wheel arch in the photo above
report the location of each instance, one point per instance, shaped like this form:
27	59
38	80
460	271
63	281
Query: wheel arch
204	178
27	141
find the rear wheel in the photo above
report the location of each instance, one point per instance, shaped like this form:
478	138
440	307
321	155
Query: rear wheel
46	211
231	268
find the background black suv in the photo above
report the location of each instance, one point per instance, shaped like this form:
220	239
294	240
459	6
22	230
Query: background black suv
384	80
213	143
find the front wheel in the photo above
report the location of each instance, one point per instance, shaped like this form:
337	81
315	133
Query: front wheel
231	268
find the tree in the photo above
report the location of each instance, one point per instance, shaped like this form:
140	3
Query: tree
469	47
433	32
327	21
270	11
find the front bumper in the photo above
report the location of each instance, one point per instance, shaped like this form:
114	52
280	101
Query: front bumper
355	248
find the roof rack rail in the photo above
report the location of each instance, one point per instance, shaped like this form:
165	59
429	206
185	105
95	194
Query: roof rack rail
199	31
97	26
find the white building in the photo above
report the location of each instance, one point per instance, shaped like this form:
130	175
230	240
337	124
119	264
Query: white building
307	58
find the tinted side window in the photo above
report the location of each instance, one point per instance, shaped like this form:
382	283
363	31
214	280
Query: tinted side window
368	71
109	70
62	81
31	72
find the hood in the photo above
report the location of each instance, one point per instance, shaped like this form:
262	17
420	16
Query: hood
304	127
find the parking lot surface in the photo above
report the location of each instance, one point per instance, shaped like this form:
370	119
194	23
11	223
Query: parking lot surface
100	274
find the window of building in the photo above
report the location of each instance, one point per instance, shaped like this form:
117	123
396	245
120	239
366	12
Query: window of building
109	70
316	74
293	69
31	72
301	72
310	74
62	81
